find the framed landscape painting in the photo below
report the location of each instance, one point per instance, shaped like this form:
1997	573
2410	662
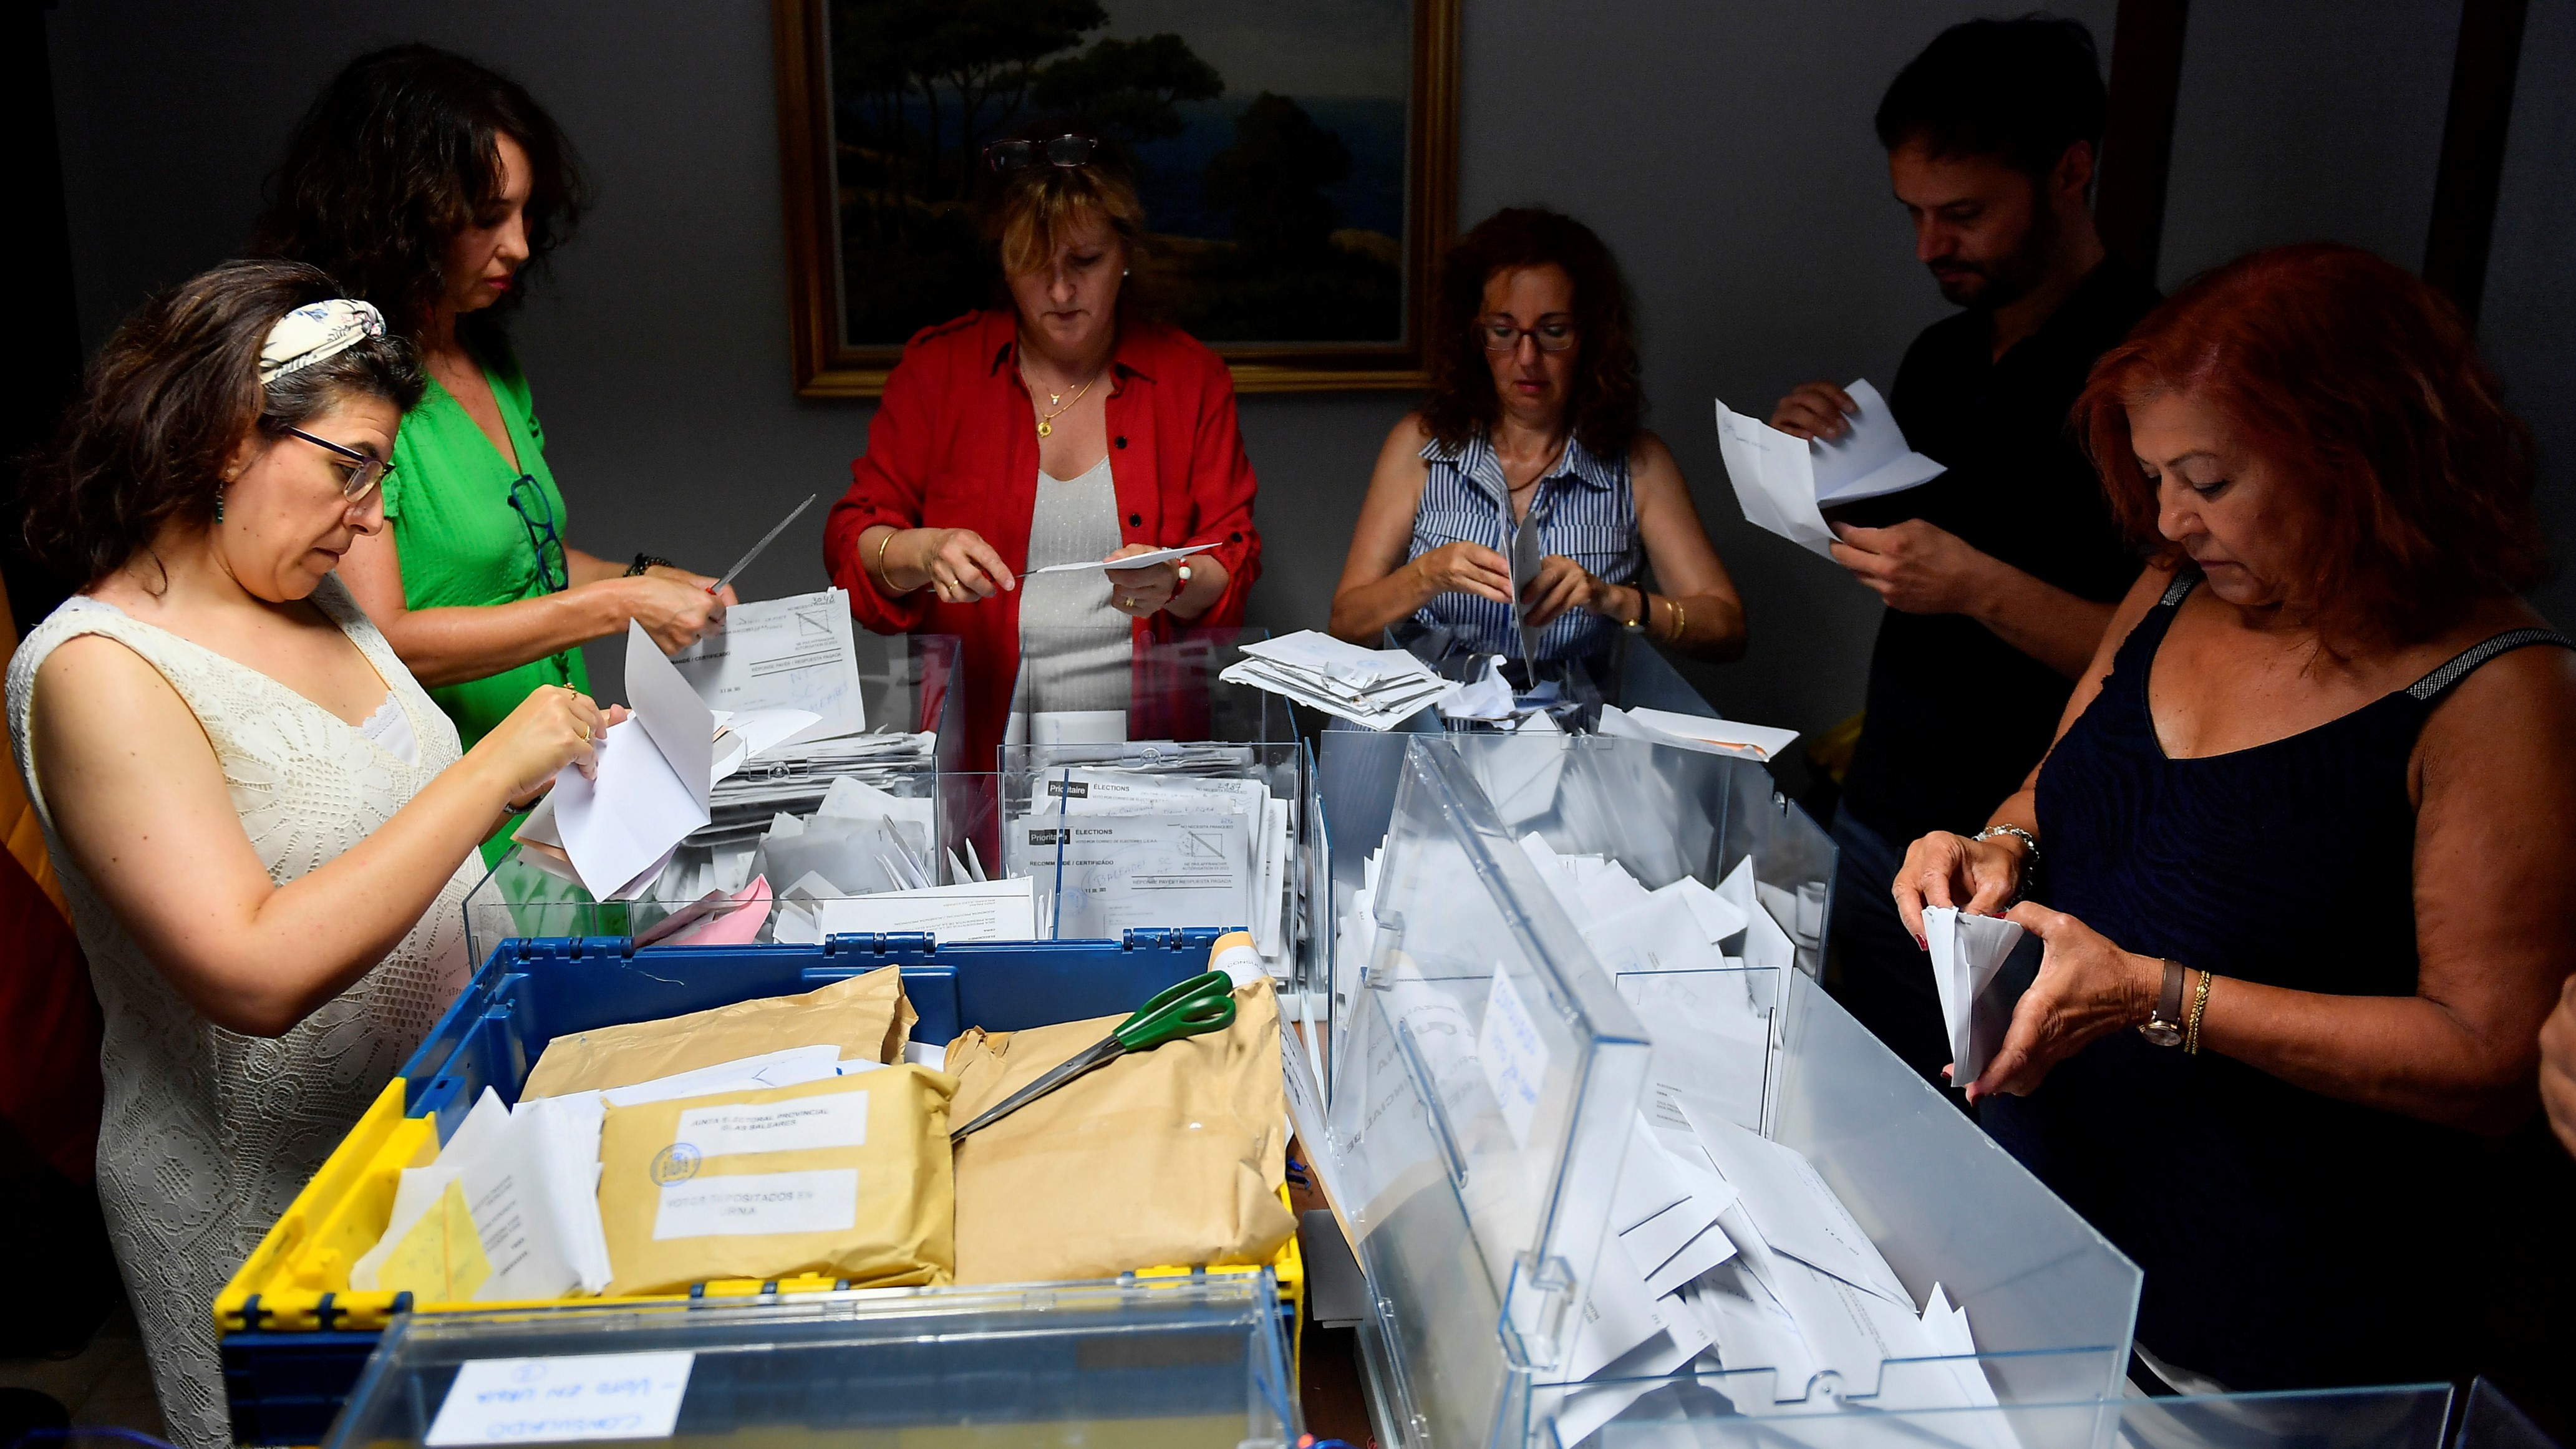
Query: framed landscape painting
1297	161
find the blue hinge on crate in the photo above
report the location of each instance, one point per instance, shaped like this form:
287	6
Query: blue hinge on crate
881	943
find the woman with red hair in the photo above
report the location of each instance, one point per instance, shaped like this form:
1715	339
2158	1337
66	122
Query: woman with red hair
2306	827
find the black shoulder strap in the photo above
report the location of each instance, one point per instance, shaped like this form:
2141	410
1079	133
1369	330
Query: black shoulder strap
2461	665
2175	592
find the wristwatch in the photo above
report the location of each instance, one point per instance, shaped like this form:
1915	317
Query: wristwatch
2164	1028
645	561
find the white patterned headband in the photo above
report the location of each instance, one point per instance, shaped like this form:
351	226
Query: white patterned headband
315	332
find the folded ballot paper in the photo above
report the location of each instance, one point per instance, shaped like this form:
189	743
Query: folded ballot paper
1377	688
1785	483
1967	954
1697	732
655	774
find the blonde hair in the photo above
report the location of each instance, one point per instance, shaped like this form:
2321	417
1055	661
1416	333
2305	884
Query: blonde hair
1039	204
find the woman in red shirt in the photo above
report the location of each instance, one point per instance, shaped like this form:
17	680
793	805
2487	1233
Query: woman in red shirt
1059	431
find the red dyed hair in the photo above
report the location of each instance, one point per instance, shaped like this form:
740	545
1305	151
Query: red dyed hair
2358	385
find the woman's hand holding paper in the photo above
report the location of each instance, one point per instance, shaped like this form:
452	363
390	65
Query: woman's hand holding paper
1943	869
553	727
2087	988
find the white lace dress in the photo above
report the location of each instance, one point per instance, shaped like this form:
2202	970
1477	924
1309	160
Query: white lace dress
207	1134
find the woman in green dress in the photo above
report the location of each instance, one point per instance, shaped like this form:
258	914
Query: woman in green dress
432	187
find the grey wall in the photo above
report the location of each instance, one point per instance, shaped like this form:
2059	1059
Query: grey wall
1723	149
2528	325
2306	120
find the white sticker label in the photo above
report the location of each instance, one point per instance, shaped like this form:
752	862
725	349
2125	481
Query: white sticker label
1512	1053
554	1400
838	1120
752	1203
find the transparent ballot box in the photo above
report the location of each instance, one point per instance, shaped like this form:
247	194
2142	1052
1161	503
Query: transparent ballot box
915	832
1161	834
1101	686
1658	812
1491	1075
1171	1363
1662	813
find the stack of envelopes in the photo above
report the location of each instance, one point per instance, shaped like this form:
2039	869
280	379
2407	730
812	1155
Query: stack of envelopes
1378	688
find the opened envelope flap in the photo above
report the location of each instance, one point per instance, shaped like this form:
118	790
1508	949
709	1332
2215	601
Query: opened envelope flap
681	725
1871	458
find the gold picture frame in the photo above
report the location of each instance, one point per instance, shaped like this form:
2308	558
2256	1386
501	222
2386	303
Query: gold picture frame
829	365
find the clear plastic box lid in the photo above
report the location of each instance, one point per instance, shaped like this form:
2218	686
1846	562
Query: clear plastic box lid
1434	1180
1481	1101
1164	1362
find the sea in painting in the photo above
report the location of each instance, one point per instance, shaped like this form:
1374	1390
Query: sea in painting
1268	144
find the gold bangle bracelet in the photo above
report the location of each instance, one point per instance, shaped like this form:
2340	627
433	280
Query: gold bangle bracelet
2191	1026
883	577
1681	621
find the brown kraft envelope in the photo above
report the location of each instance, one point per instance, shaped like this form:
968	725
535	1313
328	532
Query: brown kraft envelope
847	1178
866	1016
1171	1157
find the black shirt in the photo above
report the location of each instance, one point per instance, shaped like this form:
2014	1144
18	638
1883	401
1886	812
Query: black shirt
1957	717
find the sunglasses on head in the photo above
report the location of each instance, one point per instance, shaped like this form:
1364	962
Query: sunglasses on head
1067	151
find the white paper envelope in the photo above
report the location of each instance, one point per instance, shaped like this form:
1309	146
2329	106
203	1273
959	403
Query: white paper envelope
1967	951
1785	483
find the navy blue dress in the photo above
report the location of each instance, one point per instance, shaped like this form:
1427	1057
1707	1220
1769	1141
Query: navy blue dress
2289	1240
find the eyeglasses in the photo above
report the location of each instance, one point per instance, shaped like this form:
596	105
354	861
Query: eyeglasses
1502	334
362	479
1067	151
537	517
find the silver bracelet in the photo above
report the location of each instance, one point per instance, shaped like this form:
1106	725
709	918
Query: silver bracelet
2026	838
2029	866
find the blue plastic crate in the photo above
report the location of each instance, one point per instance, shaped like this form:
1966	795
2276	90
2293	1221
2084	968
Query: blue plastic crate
533	991
290	1360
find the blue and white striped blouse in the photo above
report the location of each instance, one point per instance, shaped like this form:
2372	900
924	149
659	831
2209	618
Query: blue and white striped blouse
1585	512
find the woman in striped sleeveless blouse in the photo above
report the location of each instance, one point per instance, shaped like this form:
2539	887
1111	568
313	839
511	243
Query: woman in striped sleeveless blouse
1532	421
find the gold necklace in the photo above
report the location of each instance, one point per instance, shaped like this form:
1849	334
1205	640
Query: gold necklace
1046	424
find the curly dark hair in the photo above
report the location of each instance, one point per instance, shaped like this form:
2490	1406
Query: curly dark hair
1606	403
400	152
170	397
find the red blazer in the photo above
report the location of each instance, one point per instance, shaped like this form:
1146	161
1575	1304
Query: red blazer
954	445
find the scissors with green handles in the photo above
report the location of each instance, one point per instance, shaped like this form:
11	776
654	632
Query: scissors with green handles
1200	1005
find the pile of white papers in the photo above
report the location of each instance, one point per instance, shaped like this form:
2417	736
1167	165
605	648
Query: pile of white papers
1785	483
1733	1254
794	778
1117	849
1696	732
1378	688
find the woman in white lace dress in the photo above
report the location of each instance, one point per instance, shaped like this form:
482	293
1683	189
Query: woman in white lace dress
261	822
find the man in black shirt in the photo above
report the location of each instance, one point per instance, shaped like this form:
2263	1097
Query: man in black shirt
2001	574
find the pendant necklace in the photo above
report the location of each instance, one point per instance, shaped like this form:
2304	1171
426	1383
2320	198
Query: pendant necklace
1060	402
